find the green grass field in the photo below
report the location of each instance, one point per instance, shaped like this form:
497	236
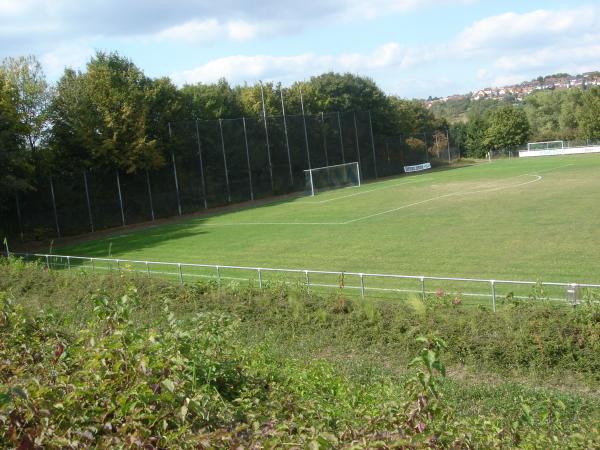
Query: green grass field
531	219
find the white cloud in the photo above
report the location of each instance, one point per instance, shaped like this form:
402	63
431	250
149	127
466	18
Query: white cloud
532	29
240	68
196	31
73	56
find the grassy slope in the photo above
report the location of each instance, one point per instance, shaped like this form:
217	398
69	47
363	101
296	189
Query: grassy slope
524	355
545	229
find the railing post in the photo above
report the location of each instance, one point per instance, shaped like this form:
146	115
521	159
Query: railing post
69	263
422	287
147	269
93	265
180	274
118	266
307	281
493	283
218	276
362	286
260	285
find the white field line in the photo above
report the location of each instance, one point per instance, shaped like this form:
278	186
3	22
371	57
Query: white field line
452	194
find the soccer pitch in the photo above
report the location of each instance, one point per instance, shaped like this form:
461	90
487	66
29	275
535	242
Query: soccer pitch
529	218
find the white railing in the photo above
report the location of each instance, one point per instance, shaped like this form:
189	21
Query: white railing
364	283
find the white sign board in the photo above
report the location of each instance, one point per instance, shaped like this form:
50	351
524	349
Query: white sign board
560	151
417	168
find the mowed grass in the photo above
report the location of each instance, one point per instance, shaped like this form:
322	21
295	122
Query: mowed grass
530	218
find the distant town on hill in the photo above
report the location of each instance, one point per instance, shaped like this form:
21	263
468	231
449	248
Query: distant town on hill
521	90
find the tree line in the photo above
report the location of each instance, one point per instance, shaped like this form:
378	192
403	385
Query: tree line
112	115
483	125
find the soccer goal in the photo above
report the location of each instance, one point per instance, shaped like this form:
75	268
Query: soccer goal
332	177
546	145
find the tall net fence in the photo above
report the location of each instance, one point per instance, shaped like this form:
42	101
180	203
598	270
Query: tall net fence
210	163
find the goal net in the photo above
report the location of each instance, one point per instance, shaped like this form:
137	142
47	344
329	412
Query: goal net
546	145
332	177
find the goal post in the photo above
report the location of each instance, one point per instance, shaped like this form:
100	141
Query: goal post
545	145
332	177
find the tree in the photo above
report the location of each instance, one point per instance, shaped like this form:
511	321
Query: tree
26	85
15	159
507	128
589	114
211	101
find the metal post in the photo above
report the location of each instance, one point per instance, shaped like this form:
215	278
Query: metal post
118	266
356	138
448	143
225	161
69	263
150	194
387	154
312	185
307	282
493	283
175	173
87	197
324	138
426	152
248	159
218	276
19	218
180	274
262	96
423	288
54	207
202	181
373	145
287	142
47	262
147	269
305	132
120	198
260	285
362	286
93	265
341	137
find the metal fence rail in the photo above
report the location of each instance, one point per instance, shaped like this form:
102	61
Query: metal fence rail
364	284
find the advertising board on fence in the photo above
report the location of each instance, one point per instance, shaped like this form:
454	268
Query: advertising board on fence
559	151
417	167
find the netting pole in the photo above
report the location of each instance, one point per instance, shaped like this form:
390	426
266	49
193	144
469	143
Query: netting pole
312	186
202	181
248	159
150	194
341	137
262	96
54	207
87	197
356	138
19	218
493	283
426	152
373	145
387	154
174	171
225	161
324	138
287	142
448	143
120	198
305	131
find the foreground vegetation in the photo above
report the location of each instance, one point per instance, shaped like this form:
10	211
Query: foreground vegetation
87	360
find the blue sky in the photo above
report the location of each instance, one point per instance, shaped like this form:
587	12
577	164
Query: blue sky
412	48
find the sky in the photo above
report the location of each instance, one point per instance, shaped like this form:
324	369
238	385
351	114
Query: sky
410	48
